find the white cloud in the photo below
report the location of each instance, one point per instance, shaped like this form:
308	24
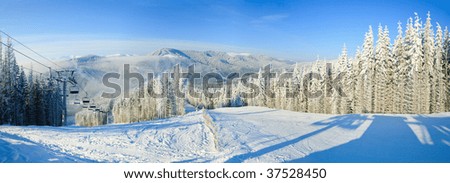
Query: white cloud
269	19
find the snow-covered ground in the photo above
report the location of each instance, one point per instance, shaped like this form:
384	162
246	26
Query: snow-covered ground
246	134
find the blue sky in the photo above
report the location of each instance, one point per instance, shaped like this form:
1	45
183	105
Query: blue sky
297	30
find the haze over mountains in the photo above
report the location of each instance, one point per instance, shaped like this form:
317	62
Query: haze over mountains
90	69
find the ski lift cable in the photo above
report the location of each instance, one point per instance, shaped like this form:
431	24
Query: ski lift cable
26	56
31	69
40	56
79	87
30	49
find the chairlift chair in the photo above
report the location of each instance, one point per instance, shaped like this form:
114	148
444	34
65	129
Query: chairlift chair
74	90
77	102
86	100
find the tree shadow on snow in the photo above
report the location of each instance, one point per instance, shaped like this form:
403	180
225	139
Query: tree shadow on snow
350	121
257	112
16	149
391	139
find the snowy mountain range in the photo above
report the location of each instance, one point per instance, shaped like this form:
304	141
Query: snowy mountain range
166	58
90	69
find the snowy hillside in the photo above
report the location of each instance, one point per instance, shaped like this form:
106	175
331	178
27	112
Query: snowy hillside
246	134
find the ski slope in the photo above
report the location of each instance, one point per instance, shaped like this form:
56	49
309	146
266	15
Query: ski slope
246	134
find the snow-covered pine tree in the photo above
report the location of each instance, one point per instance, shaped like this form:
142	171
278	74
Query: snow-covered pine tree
296	77
223	101
419	87
7	84
281	91
334	99
389	74
288	104
53	101
301	93
22	101
145	106
446	47
358	76
3	98
441	69
47	101
343	69
400	74
271	99
116	111
178	90
29	109
306	88
261	96
368	66
379	81
13	91
336	96
38	99
327	74
409	76
57	108
349	86
90	118
383	68
310	85
171	98
20	96
429	74
321	99
160	101
236	98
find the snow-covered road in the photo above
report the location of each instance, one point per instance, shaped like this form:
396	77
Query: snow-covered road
246	134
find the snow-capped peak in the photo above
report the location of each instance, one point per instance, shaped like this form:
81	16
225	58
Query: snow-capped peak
169	52
87	58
